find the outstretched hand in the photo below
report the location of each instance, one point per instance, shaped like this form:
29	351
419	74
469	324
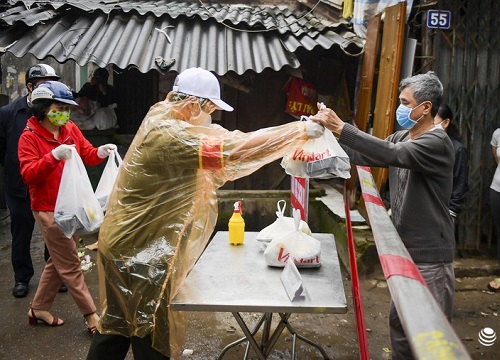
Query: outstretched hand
328	118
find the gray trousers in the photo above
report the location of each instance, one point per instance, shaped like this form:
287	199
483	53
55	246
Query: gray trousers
440	279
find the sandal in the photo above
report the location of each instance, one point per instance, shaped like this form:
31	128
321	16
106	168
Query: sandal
33	319
91	328
494	285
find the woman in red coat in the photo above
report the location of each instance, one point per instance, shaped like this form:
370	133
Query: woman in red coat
45	143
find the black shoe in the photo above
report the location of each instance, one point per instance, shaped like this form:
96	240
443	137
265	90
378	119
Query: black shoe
63	288
20	290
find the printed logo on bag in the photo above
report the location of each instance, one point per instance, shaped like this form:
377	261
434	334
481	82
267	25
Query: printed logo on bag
301	155
282	257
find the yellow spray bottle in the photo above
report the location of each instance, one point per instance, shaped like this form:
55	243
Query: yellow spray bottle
236	226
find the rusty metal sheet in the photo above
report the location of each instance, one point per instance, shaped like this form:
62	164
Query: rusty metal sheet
391	55
368	72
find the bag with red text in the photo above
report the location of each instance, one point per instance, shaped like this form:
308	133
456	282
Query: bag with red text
320	158
294	245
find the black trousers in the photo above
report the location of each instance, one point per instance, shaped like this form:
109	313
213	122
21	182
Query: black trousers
115	347
22	224
495	211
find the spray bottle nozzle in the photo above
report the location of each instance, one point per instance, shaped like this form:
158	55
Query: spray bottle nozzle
237	206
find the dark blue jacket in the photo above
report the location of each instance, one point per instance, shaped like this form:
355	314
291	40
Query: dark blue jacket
13	118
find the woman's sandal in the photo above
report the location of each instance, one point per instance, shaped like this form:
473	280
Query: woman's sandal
91	329
494	285
33	320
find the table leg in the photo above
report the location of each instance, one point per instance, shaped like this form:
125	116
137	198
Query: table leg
249	336
267	343
252	333
284	320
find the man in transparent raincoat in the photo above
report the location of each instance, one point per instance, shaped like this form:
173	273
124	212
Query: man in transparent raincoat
164	209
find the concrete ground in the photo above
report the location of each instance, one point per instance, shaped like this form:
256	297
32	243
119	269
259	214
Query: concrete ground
208	333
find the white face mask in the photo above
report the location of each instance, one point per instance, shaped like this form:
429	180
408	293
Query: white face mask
202	119
439	125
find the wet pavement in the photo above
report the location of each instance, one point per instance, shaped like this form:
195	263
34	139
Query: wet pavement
208	333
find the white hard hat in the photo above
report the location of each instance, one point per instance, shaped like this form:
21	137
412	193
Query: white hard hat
200	83
39	71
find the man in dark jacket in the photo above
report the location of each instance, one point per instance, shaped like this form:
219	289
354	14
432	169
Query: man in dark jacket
13	118
420	163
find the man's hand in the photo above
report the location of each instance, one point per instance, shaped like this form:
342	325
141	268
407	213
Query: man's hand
328	118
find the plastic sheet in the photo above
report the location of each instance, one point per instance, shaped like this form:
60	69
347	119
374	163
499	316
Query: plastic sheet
163	210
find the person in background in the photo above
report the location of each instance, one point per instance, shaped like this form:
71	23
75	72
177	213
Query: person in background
494	285
44	145
98	88
443	120
163	211
13	118
420	161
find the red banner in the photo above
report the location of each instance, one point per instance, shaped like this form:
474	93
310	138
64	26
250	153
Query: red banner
302	97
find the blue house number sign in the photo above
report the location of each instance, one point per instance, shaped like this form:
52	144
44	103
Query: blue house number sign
438	19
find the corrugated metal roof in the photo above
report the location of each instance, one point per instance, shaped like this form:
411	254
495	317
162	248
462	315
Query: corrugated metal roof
218	37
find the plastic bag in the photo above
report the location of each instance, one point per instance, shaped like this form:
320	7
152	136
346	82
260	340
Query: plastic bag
105	117
302	249
107	180
83	115
320	158
281	225
77	210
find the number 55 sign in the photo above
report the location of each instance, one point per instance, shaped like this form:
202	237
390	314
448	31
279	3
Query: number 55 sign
438	19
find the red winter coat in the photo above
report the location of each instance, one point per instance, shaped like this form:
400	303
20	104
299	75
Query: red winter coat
40	169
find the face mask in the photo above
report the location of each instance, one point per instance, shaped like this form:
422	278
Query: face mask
202	119
439	126
58	118
403	116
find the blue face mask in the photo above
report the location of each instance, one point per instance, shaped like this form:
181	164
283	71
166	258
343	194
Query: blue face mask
403	116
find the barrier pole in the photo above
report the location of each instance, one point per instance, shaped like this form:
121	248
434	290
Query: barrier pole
430	335
356	292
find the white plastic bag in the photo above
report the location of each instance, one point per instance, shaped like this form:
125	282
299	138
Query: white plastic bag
281	225
302	249
77	210
105	117
107	180
320	158
83	115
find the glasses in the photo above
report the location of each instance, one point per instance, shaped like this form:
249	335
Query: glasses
207	106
